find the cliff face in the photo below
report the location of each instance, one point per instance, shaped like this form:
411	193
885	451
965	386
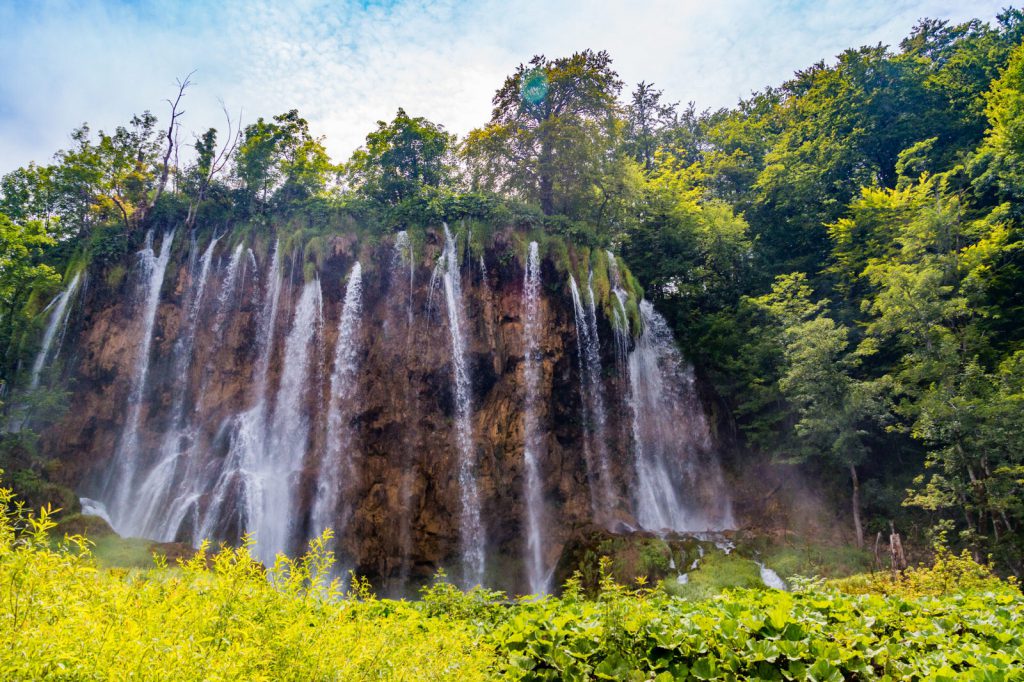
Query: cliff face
245	423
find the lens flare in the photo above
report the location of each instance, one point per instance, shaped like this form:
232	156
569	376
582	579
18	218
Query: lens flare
535	86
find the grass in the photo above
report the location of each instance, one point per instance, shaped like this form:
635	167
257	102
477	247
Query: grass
715	573
809	559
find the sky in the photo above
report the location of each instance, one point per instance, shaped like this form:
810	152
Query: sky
347	64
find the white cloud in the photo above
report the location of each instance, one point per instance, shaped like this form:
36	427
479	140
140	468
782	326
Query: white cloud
345	65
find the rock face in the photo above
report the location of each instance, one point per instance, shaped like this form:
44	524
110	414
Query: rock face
243	425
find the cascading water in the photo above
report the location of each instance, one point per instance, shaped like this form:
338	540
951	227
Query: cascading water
595	444
771	579
620	320
240	476
169	489
121	479
250	421
471	527
55	327
337	462
675	489
227	290
275	519
403	256
533	447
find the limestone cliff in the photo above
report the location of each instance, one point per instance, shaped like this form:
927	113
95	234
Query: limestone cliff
400	499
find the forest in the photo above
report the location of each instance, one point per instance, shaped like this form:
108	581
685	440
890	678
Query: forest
840	257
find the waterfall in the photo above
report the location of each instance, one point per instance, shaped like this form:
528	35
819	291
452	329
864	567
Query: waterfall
238	480
274	516
533	446
58	321
169	490
620	320
675	489
471	528
402	255
337	465
121	477
771	579
227	290
595	444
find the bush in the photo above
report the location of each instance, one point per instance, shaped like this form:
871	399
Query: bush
949	574
226	616
214	617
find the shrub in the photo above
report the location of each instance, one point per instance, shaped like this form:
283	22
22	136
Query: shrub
220	616
949	574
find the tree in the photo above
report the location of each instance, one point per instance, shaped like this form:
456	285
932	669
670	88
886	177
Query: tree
400	158
647	119
552	127
211	161
832	406
280	158
692	254
21	245
31	193
128	160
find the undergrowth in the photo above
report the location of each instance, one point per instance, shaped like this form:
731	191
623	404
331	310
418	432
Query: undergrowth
224	616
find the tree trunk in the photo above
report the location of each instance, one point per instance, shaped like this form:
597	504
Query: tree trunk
857	526
547	198
546	179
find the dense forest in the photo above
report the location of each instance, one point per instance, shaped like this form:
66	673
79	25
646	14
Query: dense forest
840	256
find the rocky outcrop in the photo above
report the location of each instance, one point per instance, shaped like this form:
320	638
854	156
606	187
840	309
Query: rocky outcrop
398	520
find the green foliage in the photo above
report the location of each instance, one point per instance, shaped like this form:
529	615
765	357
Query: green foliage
817	634
948	575
21	245
548	147
281	159
225	616
214	617
400	159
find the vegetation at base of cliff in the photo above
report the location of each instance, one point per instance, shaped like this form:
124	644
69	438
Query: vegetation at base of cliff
840	255
224	616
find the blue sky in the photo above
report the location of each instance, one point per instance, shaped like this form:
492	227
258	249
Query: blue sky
345	65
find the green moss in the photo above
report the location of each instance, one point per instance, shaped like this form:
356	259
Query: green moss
602	280
113	551
115	275
631	284
716	573
557	251
316	250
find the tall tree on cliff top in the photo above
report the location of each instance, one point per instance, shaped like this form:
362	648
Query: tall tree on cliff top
280	159
550	130
401	157
647	121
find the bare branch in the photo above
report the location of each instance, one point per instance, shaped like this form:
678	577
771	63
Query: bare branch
171	137
218	164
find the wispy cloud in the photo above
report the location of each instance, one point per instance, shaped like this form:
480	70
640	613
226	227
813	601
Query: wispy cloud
347	64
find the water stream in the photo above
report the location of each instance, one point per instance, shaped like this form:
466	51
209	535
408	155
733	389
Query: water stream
471	527
533	447
55	327
120	484
337	465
